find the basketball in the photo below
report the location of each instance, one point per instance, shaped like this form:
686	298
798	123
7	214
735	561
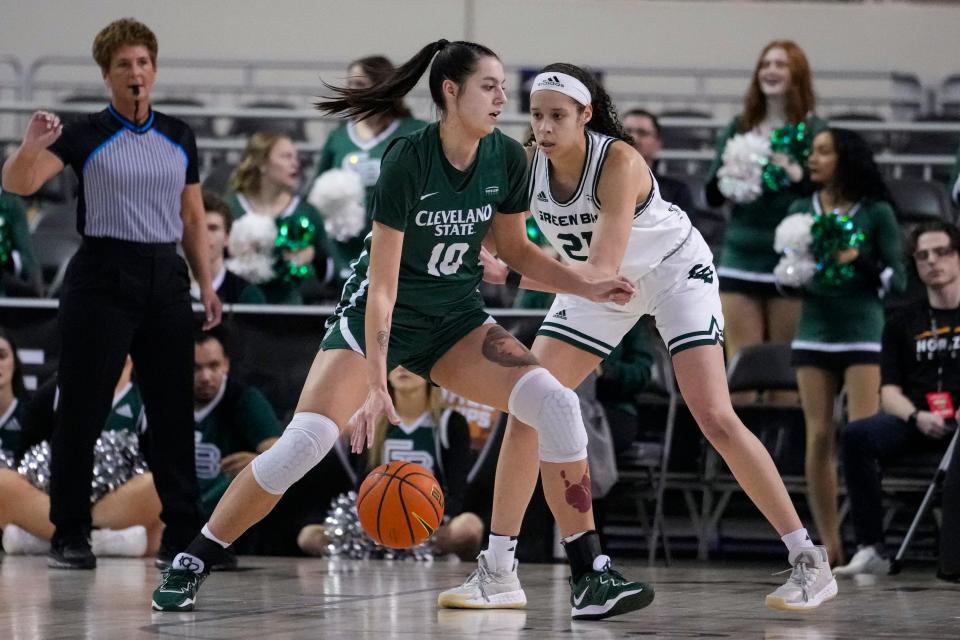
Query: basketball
400	504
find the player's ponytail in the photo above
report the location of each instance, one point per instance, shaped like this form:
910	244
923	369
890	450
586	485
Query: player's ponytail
451	61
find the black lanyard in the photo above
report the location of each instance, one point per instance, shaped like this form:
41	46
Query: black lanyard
935	330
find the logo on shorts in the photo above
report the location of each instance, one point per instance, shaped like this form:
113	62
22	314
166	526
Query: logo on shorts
700	272
562	314
542	197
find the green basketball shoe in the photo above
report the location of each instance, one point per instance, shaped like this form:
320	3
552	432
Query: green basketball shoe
177	590
603	593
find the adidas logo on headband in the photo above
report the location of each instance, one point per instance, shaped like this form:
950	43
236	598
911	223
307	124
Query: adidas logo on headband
563	83
552	81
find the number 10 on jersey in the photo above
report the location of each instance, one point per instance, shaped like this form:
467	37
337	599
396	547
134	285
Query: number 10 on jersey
445	259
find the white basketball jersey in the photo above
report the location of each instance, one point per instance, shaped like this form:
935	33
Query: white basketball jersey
659	227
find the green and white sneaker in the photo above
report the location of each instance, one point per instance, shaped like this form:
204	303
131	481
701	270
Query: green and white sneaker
486	589
810	584
603	592
178	589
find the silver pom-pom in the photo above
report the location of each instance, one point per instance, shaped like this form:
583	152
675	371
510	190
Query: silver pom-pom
792	240
339	194
347	539
35	466
116	459
6	460
740	178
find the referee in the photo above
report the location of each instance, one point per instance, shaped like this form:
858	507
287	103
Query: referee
126	290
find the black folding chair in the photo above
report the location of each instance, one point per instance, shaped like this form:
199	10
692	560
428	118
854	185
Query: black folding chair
935	484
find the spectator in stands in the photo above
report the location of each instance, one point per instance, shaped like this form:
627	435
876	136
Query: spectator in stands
431	435
127	519
837	344
126	290
358	146
17	267
12	401
234	423
230	287
266	183
920	377
780	99
644	128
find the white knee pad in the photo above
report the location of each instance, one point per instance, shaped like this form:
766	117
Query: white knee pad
554	411
304	443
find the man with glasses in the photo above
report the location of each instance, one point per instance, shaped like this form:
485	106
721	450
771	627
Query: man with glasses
645	130
920	386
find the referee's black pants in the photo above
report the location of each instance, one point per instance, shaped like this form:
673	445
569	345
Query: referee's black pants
124	297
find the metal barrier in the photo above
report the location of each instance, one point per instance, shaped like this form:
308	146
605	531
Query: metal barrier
893	94
677	160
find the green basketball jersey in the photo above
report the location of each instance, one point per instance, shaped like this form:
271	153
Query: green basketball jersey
238	418
127	413
11	429
444	214
417	442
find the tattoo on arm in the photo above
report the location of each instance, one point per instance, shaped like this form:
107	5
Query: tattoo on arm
503	349
383	339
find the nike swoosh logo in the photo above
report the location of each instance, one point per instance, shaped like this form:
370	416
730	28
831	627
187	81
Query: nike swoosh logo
578	599
427	195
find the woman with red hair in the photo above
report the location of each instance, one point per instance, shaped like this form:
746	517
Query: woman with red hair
776	125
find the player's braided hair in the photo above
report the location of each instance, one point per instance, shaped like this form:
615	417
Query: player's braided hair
450	61
605	119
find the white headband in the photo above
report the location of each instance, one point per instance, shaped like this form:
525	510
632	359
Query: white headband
563	83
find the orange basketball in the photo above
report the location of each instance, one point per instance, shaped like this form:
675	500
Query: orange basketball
400	504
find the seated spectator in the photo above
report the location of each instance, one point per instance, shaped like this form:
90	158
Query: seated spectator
231	288
644	128
265	183
234	421
17	267
920	378
438	439
838	338
126	519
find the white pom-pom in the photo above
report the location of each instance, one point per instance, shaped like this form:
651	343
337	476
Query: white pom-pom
740	178
338	194
792	239
793	232
252	239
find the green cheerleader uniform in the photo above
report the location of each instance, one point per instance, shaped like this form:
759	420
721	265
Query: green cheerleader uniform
842	325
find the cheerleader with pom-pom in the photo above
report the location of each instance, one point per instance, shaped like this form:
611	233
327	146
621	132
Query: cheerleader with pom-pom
356	148
265	183
759	169
124	506
853	260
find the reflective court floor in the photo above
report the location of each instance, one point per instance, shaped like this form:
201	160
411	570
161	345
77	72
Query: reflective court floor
280	598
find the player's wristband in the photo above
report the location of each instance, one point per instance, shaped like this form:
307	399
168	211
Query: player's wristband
513	279
912	418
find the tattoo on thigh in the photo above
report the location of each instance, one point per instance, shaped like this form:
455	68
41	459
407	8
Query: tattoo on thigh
503	349
578	495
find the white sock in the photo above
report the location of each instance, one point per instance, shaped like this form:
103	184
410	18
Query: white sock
188	561
798	539
125	543
206	533
502	550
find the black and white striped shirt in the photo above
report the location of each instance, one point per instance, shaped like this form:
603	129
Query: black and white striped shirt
131	177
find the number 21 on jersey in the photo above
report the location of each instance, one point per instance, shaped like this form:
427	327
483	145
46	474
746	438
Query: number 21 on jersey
573	245
445	259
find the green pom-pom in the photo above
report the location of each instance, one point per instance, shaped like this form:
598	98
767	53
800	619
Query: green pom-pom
792	140
831	233
294	233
